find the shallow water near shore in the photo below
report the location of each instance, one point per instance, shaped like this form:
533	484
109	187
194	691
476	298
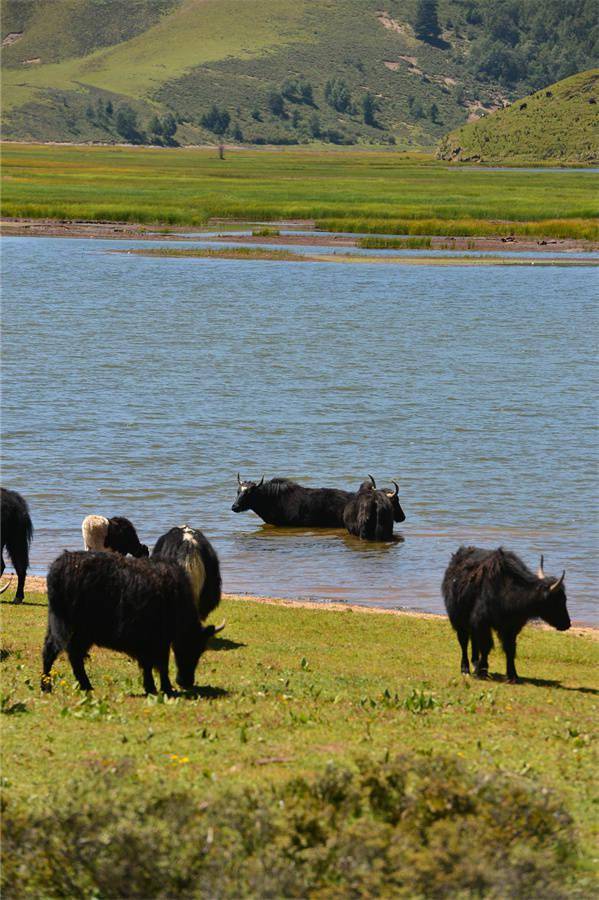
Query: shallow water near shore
140	386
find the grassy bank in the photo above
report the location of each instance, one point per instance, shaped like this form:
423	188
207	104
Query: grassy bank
262	254
357	191
286	692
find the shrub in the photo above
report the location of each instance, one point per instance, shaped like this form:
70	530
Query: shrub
412	826
216	120
337	95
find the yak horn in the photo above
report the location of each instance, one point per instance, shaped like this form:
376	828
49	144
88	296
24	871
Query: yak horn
559	582
261	482
6	586
238	480
396	487
220	627
373	481
540	573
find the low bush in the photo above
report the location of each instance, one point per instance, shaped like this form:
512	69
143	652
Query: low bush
413	826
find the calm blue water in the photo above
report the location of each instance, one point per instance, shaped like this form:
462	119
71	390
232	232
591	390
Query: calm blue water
138	386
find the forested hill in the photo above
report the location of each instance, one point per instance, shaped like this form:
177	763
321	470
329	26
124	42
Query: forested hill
279	71
557	124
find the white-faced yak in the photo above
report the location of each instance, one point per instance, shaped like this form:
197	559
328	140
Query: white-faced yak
141	607
493	589
116	534
192	550
17	531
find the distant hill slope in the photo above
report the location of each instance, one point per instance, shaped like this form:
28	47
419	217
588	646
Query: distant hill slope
276	71
557	124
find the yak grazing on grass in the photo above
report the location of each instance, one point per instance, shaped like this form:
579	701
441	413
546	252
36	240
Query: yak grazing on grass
493	589
370	513
195	553
137	606
17	531
117	534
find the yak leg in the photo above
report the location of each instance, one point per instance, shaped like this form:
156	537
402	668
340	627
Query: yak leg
20	594
474	656
51	650
463	635
2	563
165	682
148	677
76	658
509	648
484	643
19	553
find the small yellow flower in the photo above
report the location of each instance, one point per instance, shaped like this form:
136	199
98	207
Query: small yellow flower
184	759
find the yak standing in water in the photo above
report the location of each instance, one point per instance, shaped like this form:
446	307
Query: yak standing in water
369	514
493	589
17	531
140	607
116	534
197	556
285	503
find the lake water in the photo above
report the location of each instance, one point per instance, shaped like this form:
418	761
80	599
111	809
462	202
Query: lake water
140	387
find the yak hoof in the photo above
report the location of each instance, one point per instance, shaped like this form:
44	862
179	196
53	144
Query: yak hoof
513	680
18	600
46	684
483	674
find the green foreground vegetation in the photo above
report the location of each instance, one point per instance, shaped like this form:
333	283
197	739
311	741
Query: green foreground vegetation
358	191
326	753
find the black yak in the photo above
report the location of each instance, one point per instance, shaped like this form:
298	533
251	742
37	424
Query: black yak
17	531
370	513
493	589
284	502
137	606
195	553
117	534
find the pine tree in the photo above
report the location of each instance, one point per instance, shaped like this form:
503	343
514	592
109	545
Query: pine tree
427	26
369	109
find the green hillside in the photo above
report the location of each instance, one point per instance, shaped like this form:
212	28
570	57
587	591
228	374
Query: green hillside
276	71
558	124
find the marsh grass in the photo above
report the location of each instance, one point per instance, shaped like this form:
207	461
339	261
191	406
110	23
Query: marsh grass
289	690
258	253
358	191
377	243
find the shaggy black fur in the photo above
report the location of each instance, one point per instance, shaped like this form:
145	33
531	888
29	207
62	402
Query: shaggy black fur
284	502
370	514
122	537
17	531
137	606
493	589
173	546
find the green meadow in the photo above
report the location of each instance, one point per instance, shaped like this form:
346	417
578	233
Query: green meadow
357	191
313	731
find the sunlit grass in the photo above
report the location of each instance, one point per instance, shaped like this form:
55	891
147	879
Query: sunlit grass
284	690
357	191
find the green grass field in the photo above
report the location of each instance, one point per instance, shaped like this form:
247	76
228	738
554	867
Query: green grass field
284	691
358	191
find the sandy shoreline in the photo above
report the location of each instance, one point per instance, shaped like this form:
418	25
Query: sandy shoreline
132	231
37	583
